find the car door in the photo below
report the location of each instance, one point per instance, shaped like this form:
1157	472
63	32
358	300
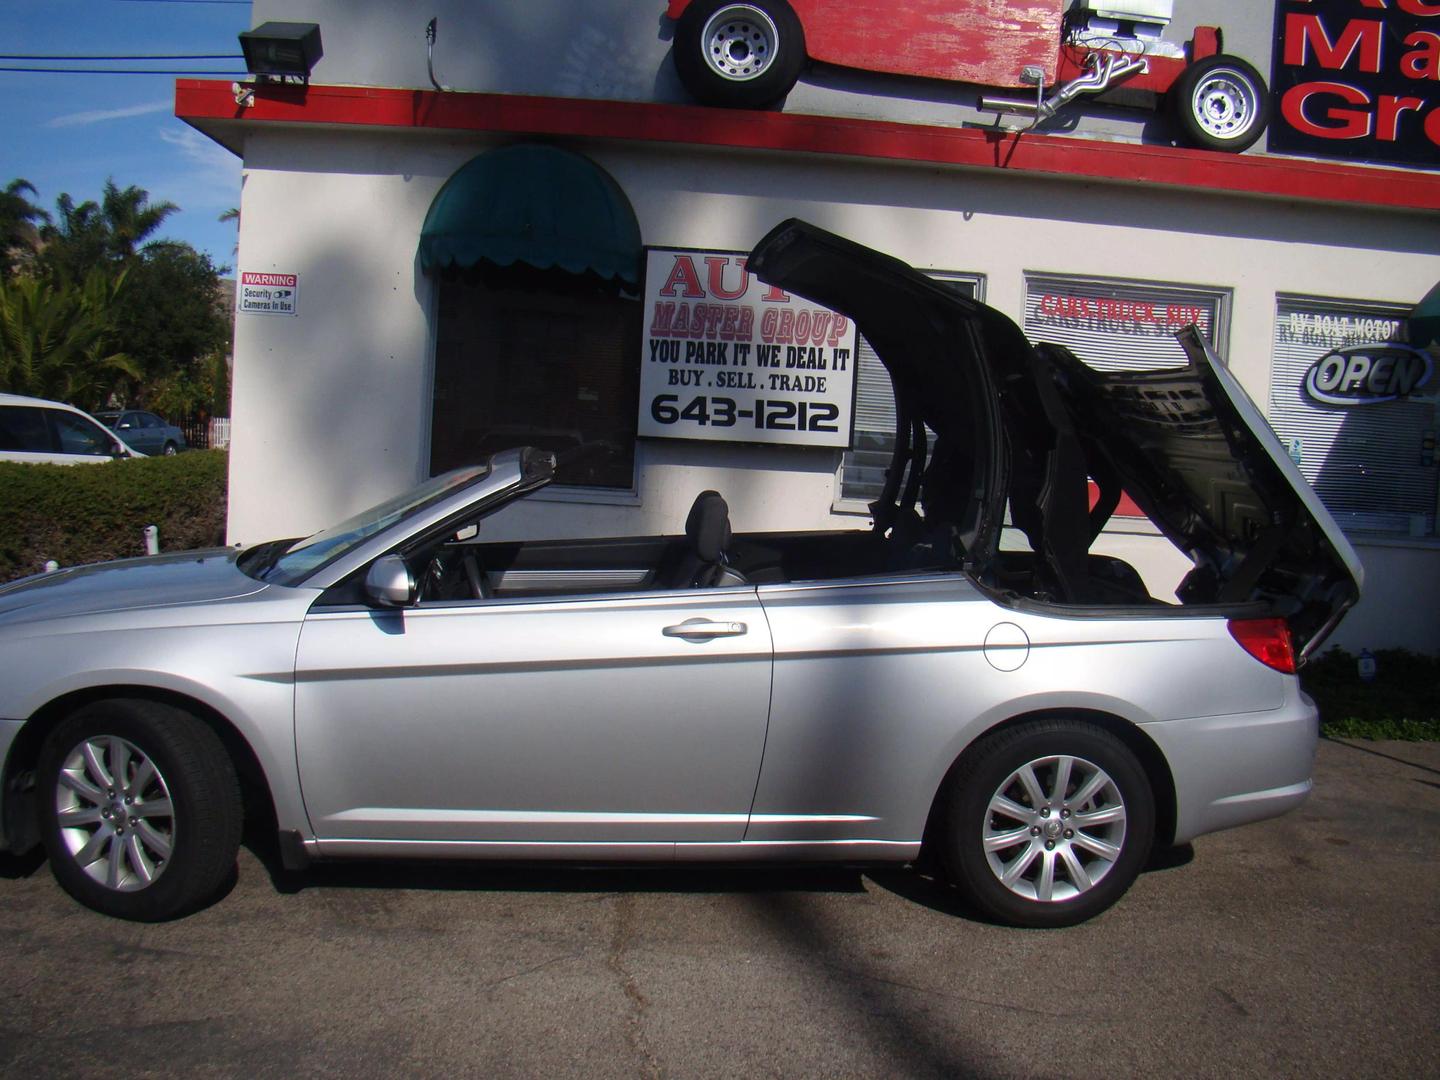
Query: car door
634	718
142	432
875	681
78	438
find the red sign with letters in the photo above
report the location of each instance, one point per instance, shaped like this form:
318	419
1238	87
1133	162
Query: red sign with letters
1358	79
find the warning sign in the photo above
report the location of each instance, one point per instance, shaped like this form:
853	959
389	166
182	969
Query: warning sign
269	294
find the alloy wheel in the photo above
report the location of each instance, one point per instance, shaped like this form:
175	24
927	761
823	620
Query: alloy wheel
1054	828
114	813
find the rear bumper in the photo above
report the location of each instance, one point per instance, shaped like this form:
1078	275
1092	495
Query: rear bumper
1232	770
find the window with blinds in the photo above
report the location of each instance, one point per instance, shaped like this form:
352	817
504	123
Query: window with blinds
1122	324
1366	462
862	468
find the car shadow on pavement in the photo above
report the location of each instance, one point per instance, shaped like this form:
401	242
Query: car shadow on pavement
922	886
566	878
13	867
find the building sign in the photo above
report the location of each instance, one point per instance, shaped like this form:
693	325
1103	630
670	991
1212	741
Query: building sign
1374	468
1357	79
1368	374
729	358
1120	324
269	294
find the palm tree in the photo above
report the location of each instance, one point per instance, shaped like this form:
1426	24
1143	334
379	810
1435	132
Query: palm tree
56	338
233	214
18	220
91	234
131	218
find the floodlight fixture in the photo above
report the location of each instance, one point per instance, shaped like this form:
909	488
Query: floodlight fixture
282	51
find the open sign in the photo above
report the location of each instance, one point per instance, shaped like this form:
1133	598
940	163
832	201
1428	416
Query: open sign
1368	374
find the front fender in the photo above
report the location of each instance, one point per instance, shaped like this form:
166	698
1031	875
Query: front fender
244	673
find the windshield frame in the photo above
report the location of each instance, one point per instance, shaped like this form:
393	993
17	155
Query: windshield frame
291	563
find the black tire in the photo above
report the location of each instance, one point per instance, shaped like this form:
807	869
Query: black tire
991	771
170	449
739	55
1220	103
169	864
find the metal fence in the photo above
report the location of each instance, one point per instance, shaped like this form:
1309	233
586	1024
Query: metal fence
212	433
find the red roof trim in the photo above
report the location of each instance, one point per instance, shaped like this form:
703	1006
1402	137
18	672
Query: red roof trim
202	101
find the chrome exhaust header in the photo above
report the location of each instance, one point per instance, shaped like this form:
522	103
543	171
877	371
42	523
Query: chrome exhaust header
1099	78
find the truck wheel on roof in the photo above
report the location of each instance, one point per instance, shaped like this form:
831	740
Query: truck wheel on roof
745	56
1221	103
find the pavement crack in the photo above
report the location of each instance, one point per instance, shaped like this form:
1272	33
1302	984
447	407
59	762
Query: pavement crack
531	970
638	1004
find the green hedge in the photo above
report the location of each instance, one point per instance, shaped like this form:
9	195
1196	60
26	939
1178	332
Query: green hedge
1400	704
88	513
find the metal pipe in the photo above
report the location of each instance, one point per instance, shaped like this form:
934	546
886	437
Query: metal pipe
1093	81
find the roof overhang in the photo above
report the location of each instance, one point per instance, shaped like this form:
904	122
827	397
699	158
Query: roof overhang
211	108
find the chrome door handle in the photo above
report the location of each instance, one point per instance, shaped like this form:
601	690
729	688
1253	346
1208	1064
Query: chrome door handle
704	628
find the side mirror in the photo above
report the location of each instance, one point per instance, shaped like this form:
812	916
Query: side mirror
118	451
389	582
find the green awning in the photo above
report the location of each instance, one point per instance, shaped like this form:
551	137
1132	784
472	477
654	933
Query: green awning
534	204
1425	320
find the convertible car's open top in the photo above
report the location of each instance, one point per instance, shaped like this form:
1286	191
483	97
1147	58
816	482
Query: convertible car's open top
1028	425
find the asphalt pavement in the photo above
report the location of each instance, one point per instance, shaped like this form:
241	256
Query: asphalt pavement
1304	946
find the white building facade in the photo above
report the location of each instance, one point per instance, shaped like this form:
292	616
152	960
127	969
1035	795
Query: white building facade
371	351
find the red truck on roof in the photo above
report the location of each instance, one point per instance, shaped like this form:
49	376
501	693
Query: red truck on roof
749	55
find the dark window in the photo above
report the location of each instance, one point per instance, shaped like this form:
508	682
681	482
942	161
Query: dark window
23	429
537	358
78	435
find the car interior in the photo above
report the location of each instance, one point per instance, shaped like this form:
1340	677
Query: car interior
709	555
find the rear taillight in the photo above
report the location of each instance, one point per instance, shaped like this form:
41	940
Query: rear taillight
1267	640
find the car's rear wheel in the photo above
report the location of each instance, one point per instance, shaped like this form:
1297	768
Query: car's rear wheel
739	55
1048	823
171	449
140	809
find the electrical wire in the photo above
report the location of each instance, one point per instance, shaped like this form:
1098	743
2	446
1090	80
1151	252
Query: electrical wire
122	71
133	56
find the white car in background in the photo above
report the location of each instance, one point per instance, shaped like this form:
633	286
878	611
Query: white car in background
50	432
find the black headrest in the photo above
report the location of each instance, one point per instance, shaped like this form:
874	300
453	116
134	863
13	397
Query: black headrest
708	526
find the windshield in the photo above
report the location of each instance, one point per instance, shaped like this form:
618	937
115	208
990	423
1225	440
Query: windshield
291	563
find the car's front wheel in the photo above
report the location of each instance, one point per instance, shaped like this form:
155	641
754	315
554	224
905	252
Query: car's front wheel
140	809
1048	822
171	449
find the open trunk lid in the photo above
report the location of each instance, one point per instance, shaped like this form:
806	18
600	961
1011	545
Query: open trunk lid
1197	456
1029	425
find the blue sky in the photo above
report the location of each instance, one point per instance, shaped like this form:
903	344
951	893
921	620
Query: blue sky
71	132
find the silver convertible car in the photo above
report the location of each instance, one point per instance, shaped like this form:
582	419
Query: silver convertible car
401	686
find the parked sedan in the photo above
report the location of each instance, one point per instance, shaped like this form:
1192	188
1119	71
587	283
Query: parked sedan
144	431
402	686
